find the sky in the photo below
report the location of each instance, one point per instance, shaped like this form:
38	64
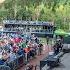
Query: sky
1	1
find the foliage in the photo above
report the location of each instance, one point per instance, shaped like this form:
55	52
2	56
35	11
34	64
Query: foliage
57	11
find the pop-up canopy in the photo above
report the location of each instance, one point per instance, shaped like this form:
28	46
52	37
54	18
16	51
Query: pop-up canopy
60	32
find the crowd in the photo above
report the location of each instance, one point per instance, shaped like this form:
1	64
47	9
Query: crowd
14	45
22	48
58	46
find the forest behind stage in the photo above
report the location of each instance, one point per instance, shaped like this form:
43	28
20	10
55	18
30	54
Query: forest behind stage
57	11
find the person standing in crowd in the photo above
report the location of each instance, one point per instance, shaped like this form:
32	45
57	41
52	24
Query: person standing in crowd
29	67
47	40
15	48
21	52
23	44
33	38
56	48
40	48
37	40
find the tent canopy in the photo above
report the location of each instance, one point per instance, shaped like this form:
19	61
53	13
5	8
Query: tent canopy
60	32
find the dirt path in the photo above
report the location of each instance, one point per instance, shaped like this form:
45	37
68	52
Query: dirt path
36	61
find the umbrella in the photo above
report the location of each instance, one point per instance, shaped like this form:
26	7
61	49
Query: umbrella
67	34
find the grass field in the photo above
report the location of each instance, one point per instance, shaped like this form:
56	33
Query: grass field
44	41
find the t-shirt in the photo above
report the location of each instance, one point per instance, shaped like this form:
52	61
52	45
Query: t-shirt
15	48
27	49
23	45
